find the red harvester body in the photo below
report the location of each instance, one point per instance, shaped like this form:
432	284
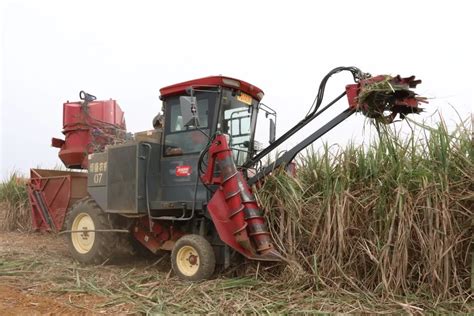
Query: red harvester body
88	127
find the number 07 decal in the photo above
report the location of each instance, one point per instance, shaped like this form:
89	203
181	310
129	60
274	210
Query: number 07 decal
97	177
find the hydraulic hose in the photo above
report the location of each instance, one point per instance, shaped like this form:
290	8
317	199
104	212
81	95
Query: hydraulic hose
357	74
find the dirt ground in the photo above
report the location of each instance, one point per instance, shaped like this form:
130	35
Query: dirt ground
21	294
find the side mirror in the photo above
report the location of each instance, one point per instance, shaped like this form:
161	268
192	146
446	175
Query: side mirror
189	111
272	131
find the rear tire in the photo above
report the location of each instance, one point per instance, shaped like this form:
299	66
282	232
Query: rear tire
90	247
193	258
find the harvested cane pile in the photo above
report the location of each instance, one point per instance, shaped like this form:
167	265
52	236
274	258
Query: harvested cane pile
395	218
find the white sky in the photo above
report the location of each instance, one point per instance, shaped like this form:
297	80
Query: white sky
129	50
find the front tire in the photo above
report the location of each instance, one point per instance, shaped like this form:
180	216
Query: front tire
193	258
90	247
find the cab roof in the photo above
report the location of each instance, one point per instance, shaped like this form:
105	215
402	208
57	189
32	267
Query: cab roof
229	82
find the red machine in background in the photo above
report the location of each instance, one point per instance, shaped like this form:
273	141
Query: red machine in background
88	126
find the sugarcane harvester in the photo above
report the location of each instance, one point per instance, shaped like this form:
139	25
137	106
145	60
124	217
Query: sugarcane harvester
187	186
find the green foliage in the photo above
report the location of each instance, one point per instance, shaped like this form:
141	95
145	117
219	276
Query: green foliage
392	218
14	205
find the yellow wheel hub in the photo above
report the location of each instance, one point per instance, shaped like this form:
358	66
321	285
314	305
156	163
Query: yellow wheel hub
187	260
83	241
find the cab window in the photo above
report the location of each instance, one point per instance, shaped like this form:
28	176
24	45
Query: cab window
180	139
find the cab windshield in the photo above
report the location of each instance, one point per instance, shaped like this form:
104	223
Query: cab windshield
237	120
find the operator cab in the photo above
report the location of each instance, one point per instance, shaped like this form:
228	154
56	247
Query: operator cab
217	104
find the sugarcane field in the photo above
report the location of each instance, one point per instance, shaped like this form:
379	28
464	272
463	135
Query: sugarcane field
338	179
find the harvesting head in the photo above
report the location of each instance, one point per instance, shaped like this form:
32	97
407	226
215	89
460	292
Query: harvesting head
383	97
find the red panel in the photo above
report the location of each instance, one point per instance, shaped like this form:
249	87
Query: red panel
180	88
56	191
352	90
225	224
107	111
